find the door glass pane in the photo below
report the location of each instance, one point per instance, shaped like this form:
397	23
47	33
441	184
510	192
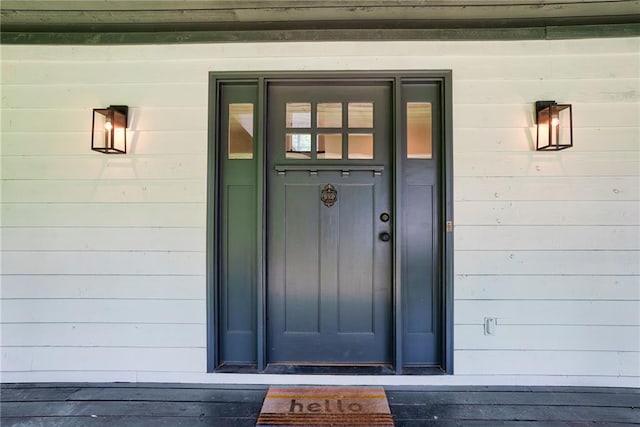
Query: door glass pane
419	130
360	114
330	146
361	146
298	146
240	131
330	115
298	115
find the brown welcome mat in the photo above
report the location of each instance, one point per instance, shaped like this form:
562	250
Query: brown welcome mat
325	406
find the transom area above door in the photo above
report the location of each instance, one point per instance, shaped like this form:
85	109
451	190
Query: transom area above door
329	130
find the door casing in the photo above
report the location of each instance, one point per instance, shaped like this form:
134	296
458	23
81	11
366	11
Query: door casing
216	80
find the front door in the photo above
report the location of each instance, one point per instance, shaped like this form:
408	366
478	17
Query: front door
329	219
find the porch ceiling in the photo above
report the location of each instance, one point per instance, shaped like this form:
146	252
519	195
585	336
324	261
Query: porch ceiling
235	15
197	21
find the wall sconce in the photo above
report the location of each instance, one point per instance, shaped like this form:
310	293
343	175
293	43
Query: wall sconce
109	130
555	127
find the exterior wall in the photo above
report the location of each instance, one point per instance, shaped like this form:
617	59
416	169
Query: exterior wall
103	257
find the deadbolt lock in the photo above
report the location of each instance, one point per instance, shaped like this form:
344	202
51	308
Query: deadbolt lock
385	217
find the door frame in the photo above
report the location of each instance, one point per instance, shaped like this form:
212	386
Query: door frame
261	80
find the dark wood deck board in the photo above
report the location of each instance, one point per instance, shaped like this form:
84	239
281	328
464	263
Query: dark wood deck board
122	404
507	412
494	423
149	421
164	394
139	409
514	398
517	389
10	394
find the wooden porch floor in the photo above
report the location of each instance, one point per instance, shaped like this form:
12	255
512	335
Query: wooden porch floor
176	405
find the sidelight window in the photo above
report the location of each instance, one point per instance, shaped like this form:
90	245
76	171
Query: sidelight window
240	138
419	130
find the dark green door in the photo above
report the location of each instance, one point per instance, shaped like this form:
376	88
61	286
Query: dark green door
329	223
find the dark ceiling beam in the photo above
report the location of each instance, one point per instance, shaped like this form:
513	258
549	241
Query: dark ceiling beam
16	14
151	37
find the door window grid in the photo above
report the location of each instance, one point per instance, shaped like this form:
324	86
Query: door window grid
298	145
317	130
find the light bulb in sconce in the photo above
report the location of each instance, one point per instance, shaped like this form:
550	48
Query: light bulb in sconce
554	122
108	125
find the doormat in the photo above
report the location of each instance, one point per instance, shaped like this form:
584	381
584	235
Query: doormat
325	406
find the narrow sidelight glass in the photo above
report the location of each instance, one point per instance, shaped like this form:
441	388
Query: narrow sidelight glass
419	143
240	138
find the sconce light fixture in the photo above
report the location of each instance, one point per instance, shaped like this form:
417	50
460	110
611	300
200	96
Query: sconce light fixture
555	128
109	130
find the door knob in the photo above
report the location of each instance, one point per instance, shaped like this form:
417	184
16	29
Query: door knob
385	237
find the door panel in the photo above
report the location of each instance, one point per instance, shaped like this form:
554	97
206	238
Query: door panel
356	306
422	340
329	275
302	285
238	216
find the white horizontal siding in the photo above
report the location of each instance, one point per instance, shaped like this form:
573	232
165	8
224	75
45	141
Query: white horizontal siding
552	363
105	359
548	312
97	191
174	167
548	262
550	338
547	287
104	214
101	239
163	335
558	213
103	262
466	66
113	310
547	237
156	287
540	164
